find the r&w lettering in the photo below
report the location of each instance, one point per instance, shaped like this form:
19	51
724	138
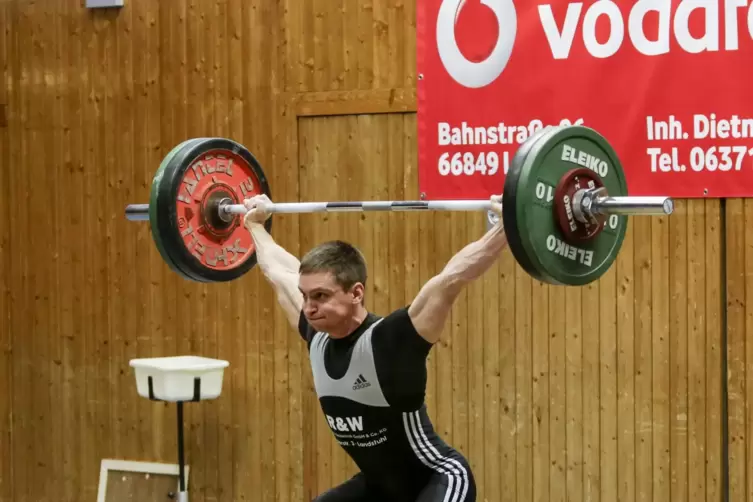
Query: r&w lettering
349	424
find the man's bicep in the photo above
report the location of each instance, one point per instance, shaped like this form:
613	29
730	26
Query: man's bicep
432	306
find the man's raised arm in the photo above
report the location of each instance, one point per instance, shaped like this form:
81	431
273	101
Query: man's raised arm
432	305
279	267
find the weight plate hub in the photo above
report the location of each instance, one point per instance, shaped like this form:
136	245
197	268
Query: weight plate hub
534	222
199	177
567	196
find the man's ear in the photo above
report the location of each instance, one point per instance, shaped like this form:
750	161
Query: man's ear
358	292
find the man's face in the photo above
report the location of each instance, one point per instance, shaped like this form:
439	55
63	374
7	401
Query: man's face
325	304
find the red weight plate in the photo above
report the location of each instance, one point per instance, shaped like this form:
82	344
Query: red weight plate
216	176
202	177
573	230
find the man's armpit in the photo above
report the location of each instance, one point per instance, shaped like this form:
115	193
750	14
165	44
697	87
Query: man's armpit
304	328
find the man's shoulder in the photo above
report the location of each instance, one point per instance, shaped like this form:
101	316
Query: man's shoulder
398	314
396	331
388	322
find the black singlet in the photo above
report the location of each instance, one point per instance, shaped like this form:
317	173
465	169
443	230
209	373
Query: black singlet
371	387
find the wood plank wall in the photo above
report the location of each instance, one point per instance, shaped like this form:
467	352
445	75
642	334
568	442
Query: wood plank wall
739	347
635	388
5	260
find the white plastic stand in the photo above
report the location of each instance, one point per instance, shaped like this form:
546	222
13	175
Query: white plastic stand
179	379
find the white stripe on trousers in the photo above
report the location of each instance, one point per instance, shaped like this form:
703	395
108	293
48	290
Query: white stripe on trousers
457	475
417	445
464	483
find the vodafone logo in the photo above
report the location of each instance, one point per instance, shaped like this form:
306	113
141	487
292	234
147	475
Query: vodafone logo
695	26
465	72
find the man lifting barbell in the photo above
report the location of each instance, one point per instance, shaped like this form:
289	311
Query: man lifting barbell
564	212
370	371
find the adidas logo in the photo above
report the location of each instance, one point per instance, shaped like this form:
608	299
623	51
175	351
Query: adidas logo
361	383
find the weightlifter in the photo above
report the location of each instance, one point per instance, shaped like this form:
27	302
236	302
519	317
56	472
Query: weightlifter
369	371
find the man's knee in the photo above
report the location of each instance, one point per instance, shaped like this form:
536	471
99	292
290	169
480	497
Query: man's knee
457	484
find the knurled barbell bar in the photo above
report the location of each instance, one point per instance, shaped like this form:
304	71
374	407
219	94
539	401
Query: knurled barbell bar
565	205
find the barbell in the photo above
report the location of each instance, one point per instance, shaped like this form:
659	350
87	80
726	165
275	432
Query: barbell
565	207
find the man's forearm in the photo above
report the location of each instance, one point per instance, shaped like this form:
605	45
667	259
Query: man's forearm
280	268
476	258
271	257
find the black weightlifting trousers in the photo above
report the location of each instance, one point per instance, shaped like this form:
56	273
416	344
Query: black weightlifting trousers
357	489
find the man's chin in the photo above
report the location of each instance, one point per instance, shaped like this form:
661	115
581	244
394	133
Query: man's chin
316	323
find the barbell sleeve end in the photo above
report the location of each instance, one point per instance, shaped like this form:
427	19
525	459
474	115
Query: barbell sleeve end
632	205
137	212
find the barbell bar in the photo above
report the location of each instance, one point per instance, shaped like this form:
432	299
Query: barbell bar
565	205
603	205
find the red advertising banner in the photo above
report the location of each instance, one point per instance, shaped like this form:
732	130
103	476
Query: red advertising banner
668	83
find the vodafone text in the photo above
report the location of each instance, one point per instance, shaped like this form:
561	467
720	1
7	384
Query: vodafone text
722	156
673	20
459	162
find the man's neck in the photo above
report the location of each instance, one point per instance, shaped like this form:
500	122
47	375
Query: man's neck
351	325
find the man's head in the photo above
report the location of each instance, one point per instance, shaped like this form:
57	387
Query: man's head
332	280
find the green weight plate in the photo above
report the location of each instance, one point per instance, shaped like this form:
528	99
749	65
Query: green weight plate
194	181
515	234
558	151
153	206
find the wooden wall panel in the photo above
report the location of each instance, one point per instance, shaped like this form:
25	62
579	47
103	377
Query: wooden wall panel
739	348
6	355
95	100
615	391
340	45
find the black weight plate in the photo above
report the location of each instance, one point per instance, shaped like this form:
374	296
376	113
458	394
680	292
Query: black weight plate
153	214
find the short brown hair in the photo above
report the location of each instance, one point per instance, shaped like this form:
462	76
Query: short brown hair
343	260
